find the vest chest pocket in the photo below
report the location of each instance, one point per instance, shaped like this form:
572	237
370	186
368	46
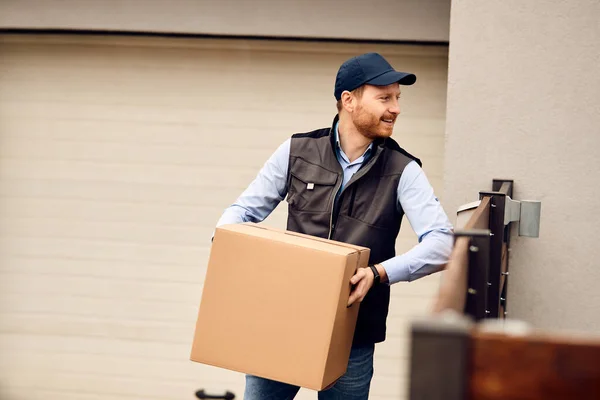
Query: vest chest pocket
311	187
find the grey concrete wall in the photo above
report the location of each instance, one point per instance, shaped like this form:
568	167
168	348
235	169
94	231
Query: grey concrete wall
524	103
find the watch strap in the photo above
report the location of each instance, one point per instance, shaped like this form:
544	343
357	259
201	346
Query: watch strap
375	274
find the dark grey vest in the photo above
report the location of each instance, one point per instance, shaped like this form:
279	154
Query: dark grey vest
366	213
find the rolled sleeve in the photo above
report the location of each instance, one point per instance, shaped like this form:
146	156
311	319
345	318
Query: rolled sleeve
429	221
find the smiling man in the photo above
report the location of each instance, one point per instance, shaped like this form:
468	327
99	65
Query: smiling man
353	183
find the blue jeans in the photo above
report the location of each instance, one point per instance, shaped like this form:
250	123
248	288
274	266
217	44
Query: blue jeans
353	385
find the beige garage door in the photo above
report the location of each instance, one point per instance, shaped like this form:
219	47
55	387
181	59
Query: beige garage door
117	156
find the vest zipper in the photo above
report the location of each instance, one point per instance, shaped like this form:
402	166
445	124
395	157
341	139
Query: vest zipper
352	181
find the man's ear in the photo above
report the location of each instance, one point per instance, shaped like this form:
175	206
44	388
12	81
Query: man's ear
348	102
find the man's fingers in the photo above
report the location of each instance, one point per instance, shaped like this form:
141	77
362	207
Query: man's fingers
361	283
353	299
353	296
358	294
357	277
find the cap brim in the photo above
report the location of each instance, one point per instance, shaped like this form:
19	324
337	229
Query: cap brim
403	78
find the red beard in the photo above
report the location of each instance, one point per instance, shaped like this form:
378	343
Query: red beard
372	126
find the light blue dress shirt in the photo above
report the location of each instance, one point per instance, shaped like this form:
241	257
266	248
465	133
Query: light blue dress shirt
415	197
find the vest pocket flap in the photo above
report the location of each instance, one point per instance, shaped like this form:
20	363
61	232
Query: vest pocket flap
311	173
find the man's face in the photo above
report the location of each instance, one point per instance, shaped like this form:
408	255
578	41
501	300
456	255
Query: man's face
376	111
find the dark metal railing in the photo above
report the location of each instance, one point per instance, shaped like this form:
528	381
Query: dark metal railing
475	279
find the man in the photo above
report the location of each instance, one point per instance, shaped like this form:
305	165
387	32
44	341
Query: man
353	183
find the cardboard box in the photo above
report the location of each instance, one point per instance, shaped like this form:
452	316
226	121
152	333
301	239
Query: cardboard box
274	305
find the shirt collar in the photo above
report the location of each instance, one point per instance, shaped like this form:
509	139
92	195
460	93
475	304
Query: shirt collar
338	146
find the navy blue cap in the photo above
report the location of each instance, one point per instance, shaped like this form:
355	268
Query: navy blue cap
370	68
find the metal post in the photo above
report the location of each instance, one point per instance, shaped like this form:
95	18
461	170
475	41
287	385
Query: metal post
505	186
477	277
499	235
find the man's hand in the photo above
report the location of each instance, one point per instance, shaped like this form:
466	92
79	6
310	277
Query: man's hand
362	282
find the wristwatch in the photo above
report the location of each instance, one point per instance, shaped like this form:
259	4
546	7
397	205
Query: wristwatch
375	274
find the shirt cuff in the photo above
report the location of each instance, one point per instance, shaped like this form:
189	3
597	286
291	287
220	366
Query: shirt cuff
397	269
